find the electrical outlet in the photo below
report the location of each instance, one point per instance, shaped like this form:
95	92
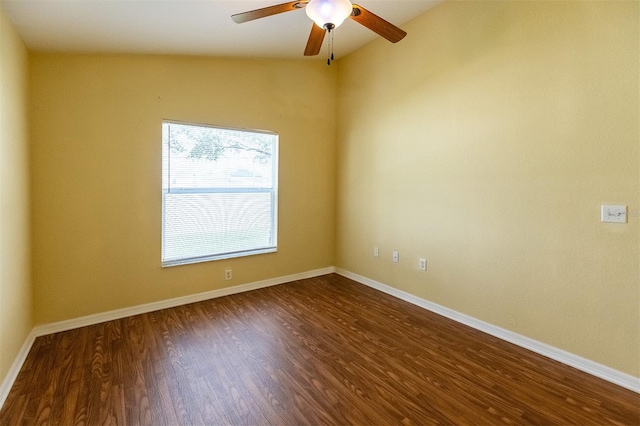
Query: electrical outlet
395	257
422	264
376	252
227	274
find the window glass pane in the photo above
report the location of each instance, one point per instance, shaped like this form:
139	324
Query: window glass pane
219	192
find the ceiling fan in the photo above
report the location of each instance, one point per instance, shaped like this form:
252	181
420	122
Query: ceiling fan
327	15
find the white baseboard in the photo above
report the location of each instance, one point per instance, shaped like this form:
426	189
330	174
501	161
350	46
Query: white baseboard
56	327
12	374
602	371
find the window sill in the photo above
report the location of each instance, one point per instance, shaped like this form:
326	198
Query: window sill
189	261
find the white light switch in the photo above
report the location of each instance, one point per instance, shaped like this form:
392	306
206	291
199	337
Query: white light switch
611	213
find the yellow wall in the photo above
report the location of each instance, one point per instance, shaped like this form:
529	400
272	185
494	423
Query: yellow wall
486	141
15	281
96	160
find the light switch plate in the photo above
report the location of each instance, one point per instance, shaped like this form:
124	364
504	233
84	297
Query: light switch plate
613	213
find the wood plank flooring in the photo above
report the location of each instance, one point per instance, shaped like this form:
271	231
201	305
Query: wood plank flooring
324	350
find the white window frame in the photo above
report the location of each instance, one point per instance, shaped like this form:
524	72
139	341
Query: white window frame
167	189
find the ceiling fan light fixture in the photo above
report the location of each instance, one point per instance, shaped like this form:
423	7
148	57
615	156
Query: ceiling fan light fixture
328	14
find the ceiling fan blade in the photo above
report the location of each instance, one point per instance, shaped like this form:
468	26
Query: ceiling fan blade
267	11
315	41
377	24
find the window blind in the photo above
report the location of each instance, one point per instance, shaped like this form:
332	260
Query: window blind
219	193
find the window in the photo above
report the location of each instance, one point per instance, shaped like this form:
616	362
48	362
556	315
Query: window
219	193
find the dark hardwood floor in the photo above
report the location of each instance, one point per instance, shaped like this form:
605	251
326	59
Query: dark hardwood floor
324	350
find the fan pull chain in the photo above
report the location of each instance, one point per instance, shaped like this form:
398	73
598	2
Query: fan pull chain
330	46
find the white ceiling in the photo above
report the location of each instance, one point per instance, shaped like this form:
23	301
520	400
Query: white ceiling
186	27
